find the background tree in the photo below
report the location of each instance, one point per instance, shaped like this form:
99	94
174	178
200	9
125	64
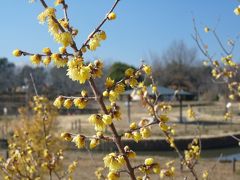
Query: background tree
117	70
39	75
7	75
60	83
179	67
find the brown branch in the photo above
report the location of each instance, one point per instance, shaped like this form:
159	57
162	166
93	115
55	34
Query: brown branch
100	25
44	4
138	128
191	168
73	45
74	97
65	7
220	43
117	138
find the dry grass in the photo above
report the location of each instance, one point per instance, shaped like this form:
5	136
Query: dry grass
207	114
210	123
220	171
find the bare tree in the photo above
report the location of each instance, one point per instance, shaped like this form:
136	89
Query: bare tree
178	67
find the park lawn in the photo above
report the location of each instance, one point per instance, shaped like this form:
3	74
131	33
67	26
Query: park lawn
89	162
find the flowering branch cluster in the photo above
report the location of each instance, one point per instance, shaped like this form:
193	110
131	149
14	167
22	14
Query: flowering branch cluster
79	70
225	70
35	151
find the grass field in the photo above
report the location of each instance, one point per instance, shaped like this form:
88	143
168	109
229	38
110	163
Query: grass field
209	123
217	170
210	117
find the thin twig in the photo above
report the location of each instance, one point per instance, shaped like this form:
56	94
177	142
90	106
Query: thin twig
117	138
34	85
100	25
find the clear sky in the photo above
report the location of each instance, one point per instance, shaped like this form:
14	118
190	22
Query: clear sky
142	27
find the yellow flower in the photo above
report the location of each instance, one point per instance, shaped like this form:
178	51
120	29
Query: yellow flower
109	82
72	167
231	96
164	118
143	122
57	2
117	114
133	82
206	29
136	136
129	72
68	103
105	94
145	132
97	68
113	96
66	136
99	134
128	135
147	69
78	72
113	176
64	23
84	49
113	162
64	38
156	168
121	159
93	44
62	50
47	60
96	119
36	58
163	126
47	51
48	12
84	93
228	116
58	102
131	154
80	103
112	16
133	125
102	35
53	28
107	119
79	141
237	11
148	161
98	173
205	175
74	31
17	52
58	60
119	88
191	114
164	172
94	143
154	89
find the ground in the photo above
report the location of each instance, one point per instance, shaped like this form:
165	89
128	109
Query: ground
210	120
217	170
210	117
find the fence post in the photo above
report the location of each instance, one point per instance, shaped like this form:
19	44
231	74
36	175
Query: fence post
181	166
79	126
234	164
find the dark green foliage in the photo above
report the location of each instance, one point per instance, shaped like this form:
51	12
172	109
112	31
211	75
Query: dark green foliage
7	75
117	70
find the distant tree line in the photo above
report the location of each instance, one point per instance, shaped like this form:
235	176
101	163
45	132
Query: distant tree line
178	68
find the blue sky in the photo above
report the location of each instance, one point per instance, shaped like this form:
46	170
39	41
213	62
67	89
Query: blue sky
142	27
